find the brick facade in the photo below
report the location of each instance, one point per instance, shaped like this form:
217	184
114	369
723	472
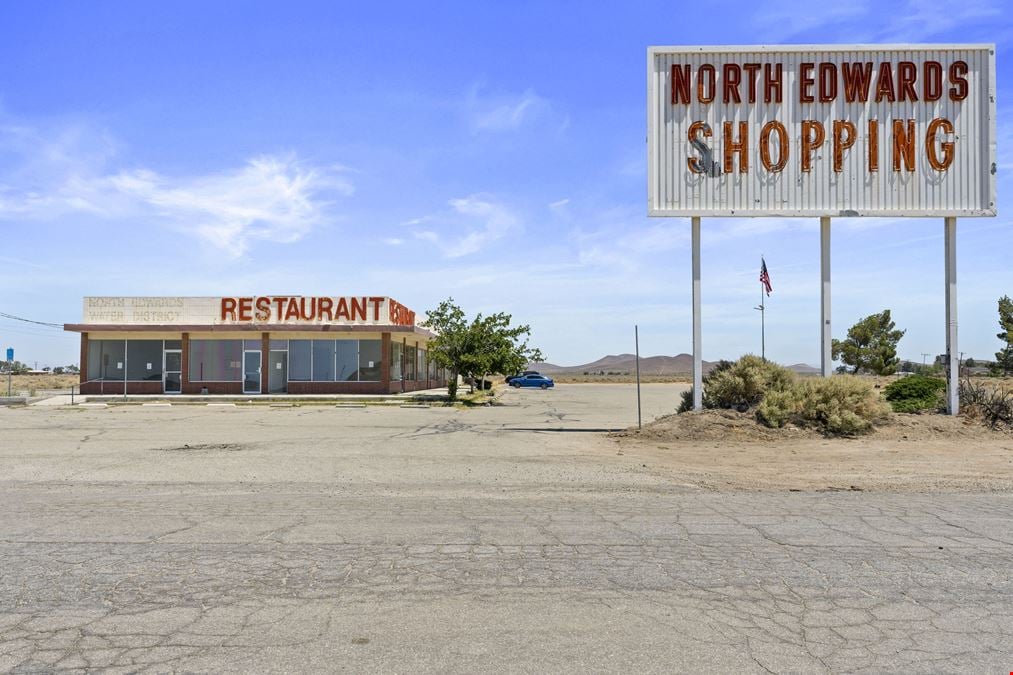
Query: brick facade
385	386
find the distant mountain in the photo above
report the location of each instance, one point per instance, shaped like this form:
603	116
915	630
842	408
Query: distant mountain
626	363
649	365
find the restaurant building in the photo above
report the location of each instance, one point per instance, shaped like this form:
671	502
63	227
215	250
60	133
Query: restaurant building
248	345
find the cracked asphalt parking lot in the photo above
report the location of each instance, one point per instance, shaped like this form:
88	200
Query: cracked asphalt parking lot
512	538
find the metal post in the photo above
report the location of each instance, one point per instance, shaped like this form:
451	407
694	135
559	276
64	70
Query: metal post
826	337
636	345
697	334
10	367
763	316
952	363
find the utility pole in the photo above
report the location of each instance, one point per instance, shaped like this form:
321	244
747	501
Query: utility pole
636	343
924	356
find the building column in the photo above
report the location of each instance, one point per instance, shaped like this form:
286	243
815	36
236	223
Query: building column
265	365
83	374
385	361
184	377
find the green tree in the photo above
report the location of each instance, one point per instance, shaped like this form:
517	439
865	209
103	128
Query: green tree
16	367
497	347
871	345
449	348
1004	357
479	347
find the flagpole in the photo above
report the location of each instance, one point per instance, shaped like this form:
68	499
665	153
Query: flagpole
763	324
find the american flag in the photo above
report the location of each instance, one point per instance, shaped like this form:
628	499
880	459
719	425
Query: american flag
765	277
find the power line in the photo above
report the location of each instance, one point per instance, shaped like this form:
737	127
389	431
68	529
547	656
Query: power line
18	329
40	323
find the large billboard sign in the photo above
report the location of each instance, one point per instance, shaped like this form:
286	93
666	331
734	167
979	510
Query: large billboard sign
822	130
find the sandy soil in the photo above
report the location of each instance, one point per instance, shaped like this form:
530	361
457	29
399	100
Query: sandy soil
38	382
727	450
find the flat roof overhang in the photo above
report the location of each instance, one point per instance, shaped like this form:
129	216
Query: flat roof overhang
252	328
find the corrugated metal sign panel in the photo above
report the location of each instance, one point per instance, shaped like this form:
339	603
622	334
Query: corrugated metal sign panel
920	142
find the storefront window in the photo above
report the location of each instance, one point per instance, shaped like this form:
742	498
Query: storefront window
395	361
323	360
106	359
409	362
144	360
347	360
300	363
370	354
216	360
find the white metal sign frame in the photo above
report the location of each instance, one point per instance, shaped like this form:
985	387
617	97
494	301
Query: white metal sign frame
699	101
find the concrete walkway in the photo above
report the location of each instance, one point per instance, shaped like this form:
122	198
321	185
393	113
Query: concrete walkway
66	399
60	399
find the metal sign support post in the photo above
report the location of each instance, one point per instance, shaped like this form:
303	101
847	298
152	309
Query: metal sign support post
826	340
952	362
636	346
697	344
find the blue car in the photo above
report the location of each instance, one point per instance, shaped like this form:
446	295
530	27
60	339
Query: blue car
533	380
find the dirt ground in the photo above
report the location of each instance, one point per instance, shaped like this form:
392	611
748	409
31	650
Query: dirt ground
39	382
727	450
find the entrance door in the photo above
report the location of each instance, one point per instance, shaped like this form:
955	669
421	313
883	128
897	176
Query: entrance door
251	372
277	379
172	371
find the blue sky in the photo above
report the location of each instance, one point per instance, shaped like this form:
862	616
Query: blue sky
493	152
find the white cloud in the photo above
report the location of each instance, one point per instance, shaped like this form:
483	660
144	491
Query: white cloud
559	204
470	225
68	170
269	199
862	21
780	20
921	19
497	113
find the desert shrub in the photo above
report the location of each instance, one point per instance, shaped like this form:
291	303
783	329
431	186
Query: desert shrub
687	396
837	406
780	407
915	393
993	405
739	384
744	383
